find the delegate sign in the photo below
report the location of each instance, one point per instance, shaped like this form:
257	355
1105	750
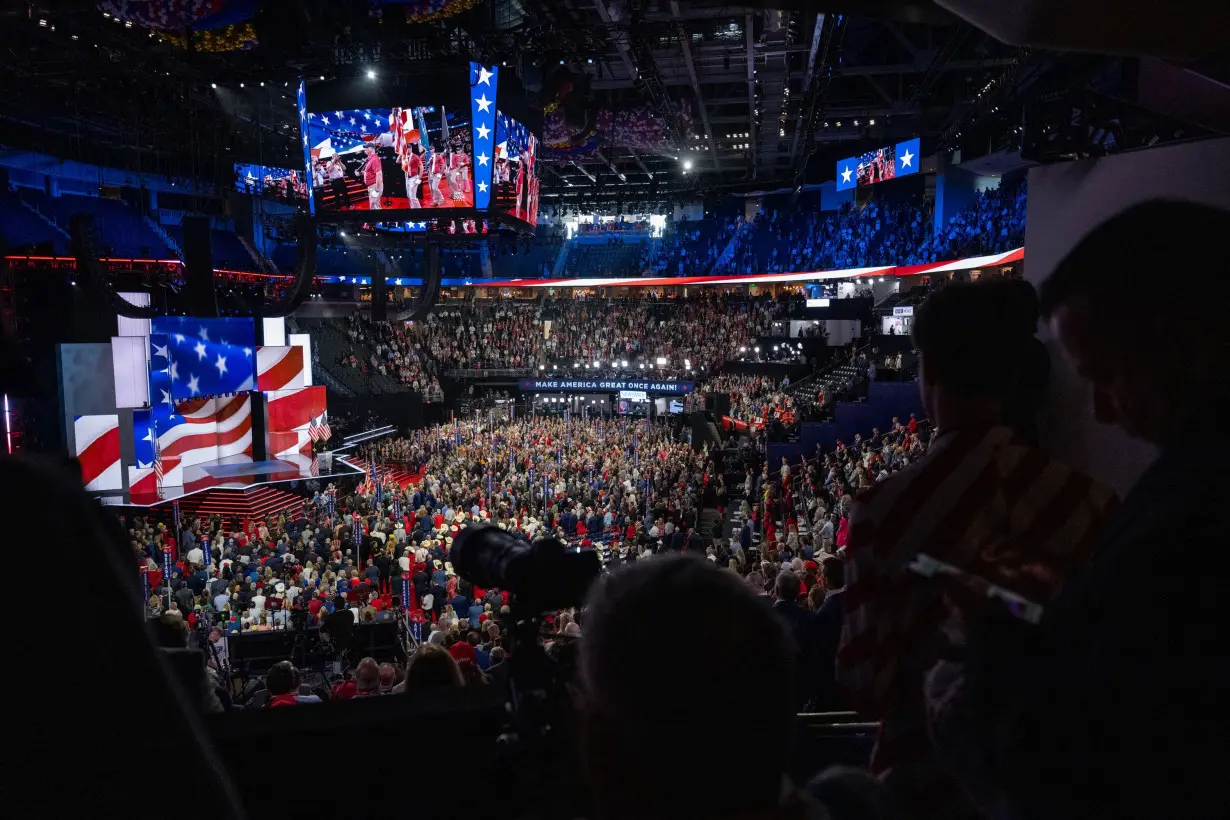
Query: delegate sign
542	385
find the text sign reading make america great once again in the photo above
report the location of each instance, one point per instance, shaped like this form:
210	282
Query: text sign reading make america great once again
606	384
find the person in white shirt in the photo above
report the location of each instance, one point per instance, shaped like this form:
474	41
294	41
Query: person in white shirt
196	557
258	602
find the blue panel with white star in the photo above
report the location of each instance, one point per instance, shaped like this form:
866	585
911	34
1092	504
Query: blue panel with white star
307	148
906	157
847	174
204	357
483	84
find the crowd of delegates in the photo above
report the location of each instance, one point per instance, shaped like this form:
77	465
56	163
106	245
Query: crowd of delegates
753	398
704	331
628	488
408	364
880	233
693	249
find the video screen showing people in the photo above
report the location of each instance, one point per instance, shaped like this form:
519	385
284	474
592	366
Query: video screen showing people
515	177
281	184
391	159
876	166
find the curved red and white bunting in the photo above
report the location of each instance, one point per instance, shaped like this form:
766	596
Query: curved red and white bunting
279	368
98	451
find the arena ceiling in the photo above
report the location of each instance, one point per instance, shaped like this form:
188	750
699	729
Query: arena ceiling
647	98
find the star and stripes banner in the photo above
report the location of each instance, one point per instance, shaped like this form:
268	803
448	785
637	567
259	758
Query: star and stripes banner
307	148
483	85
202	357
515	178
98	451
279	368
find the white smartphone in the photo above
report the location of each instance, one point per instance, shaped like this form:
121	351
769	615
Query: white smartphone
1019	606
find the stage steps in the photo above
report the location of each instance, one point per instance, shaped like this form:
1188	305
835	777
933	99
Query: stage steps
255	504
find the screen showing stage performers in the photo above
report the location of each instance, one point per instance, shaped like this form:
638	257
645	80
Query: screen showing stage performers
515	179
390	159
277	183
878	165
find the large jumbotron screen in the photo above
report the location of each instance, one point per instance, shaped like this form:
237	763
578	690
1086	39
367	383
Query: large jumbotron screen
415	158
434	153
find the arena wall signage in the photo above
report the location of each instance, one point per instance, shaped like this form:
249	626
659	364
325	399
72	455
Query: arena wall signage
549	385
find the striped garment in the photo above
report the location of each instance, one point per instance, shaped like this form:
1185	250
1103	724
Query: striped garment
977	493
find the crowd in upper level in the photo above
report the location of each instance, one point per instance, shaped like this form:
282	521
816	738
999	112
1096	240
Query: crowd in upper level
698	334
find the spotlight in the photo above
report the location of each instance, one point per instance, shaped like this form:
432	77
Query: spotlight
322	76
856	123
687	165
371	75
262	83
590	60
213	85
871	122
241	85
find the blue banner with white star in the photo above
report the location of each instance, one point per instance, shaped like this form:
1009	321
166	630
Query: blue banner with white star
201	357
483	84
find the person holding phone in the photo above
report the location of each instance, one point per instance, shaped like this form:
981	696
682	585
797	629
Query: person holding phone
982	491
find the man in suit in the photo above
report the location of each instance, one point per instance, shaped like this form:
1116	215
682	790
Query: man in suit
803	626
1086	706
828	632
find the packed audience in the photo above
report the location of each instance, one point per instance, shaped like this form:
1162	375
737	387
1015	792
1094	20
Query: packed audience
697	334
694	248
880	233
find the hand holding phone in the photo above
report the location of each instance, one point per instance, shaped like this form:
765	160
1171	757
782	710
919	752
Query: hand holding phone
1017	605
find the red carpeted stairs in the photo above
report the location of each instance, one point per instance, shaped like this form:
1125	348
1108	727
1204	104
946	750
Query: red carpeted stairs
398	472
255	504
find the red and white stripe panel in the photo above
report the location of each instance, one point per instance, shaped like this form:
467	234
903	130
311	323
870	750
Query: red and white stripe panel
279	368
98	450
207	430
292	410
143	481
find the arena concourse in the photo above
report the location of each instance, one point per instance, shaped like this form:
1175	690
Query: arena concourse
616	411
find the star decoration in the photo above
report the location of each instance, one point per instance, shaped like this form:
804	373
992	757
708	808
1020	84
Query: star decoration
484	76
161	351
484	104
200	350
166	397
482	187
179	338
906	158
324	120
366	115
311	116
247	351
845	174
352	121
339	114
482	159
220	364
422	226
363	128
483	132
173	371
194	385
204	333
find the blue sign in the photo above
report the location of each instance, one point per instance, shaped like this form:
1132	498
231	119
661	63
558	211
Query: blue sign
649	386
878	165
